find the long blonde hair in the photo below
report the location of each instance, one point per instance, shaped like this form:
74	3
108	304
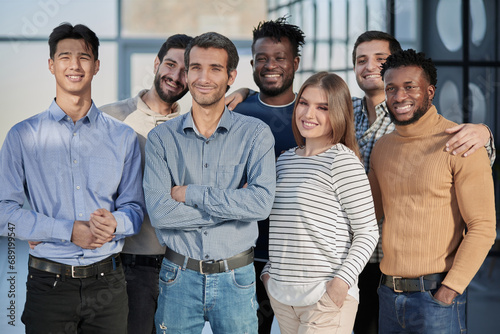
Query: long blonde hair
339	109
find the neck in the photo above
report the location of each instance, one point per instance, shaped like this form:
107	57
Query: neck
373	99
282	99
314	147
155	103
74	106
207	118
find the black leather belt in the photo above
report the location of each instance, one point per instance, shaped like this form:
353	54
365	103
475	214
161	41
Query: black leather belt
142	260
211	266
422	283
100	268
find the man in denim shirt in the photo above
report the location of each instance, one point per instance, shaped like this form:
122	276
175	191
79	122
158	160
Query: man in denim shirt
209	177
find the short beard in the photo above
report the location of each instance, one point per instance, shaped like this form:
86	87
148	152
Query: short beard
416	115
167	97
275	91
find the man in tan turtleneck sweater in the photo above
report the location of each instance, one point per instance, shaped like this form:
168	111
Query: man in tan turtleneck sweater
428	198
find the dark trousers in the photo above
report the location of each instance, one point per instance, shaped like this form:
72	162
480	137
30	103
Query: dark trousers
265	312
142	290
75	305
367	316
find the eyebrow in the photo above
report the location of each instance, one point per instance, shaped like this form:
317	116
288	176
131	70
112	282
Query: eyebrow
377	54
211	65
169	59
69	53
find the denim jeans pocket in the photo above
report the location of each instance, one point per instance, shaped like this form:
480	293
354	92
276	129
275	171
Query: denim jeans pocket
169	273
244	277
440	303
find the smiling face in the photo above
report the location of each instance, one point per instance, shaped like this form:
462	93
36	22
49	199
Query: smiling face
312	117
170	80
369	58
274	65
207	75
408	94
74	67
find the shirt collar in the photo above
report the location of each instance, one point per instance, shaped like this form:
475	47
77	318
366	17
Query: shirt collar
58	114
176	109
225	121
380	109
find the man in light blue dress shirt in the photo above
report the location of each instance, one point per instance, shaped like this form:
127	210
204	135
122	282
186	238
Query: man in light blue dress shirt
80	171
209	177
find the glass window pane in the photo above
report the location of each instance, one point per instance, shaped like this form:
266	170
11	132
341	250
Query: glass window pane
37	18
157	18
449	94
483	32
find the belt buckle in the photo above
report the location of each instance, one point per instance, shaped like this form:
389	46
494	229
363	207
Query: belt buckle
394	278
74	273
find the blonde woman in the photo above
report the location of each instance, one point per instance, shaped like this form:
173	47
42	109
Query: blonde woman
322	225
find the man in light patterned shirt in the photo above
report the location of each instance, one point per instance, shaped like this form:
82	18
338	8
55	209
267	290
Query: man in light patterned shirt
372	121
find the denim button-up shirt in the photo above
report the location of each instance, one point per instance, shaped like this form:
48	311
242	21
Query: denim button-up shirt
219	216
68	170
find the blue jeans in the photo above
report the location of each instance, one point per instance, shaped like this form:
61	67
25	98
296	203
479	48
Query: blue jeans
420	312
187	299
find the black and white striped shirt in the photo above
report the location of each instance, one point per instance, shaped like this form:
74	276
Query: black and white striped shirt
322	224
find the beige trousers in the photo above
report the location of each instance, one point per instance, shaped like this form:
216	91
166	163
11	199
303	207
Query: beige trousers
323	317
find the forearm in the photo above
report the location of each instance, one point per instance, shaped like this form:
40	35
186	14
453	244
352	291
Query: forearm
31	225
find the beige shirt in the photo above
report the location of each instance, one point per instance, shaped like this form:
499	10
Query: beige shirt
136	114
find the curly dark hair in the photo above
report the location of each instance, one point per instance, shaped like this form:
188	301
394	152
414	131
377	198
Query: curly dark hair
278	29
411	58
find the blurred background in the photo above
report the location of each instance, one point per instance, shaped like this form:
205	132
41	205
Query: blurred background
461	36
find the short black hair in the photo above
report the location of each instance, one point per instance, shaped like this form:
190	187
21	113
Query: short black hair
178	41
66	30
375	35
278	29
218	41
411	58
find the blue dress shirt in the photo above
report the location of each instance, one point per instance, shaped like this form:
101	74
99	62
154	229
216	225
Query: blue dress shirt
66	171
219	217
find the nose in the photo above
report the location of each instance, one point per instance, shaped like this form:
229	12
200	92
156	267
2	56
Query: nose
309	112
75	63
400	94
270	63
373	64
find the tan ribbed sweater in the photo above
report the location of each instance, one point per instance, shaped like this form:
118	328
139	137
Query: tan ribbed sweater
428	197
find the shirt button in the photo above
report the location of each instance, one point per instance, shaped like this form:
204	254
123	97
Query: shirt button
74	134
205	233
208	141
74	161
206	165
80	214
77	187
207	257
196	207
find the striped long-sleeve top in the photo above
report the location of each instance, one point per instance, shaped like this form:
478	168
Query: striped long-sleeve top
322	225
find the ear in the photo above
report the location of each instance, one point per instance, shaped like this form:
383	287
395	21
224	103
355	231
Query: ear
97	66
251	62
51	65
156	64
232	77
296	62
431	90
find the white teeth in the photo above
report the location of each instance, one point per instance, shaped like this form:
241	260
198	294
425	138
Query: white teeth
309	124
372	76
271	75
73	76
403	108
171	85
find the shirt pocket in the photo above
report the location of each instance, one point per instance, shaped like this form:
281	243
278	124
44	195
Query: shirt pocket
230	177
104	176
